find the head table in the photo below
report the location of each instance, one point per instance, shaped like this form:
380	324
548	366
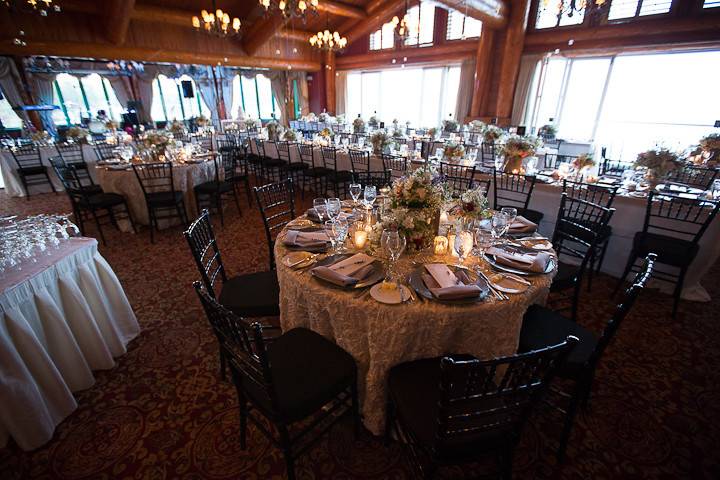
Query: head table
380	336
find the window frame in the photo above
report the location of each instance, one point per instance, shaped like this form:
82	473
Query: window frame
465	17
257	97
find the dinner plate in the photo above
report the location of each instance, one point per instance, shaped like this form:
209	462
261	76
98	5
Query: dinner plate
297	259
491	260
539	244
507	283
416	282
390	297
374	277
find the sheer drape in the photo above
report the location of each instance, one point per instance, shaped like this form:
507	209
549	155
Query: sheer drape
121	87
226	84
528	65
206	86
42	85
10	84
465	90
301	78
278	84
340	93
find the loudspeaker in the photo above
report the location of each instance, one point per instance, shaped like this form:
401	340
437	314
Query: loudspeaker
130	119
134	106
187	89
521	130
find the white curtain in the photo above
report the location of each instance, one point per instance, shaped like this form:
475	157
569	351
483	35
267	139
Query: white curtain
340	93
10	84
42	84
121	85
465	90
278	84
145	88
206	86
528	65
226	84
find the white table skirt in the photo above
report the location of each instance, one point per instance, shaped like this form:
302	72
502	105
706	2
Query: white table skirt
13	185
62	318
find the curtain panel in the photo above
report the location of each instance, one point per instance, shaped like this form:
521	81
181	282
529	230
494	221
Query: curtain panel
528	65
279	86
42	85
11	86
340	93
465	90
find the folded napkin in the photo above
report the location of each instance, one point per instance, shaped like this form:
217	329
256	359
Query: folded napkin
535	262
347	272
294	238
522	225
457	285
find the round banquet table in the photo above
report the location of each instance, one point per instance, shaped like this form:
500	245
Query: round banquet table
380	336
185	177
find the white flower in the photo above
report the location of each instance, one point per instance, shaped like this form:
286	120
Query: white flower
408	223
421	192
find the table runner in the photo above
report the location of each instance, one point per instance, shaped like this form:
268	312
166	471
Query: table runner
62	317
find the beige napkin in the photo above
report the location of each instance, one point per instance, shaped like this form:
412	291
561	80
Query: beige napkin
535	262
456	284
522	225
346	272
294	238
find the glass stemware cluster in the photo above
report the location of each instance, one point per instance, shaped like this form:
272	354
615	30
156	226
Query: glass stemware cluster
335	226
22	241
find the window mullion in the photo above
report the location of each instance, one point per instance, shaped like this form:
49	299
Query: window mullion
257	98
602	98
107	97
162	98
84	97
180	97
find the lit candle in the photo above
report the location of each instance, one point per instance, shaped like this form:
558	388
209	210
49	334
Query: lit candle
360	238
441	245
451	243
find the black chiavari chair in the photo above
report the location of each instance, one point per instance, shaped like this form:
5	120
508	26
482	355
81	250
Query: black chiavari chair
515	190
611	168
542	327
316	173
272	166
459	178
30	167
602	195
360	160
697	177
456	409
72	155
161	198
211	193
249	295
105	151
397	164
292	168
85	201
205	141
577	230
672	230
554	160
487	156
276	202
378	179
297	378
335	177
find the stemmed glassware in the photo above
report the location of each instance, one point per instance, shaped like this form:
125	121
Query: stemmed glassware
510	213
393	244
334	207
463	245
355	190
329	229
369	196
500	225
340	227
483	240
320	206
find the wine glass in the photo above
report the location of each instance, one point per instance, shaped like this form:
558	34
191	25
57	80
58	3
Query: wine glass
321	208
499	224
392	243
355	190
463	245
330	232
340	229
333	208
483	240
369	196
510	213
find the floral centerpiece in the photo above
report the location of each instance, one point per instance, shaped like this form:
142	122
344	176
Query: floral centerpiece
251	123
310	117
326	118
326	133
373	122
41	137
515	149
491	133
658	162
176	128
450	125
112	125
379	140
477	126
358	125
547	132
583	161
710	145
156	140
289	135
415	202
432	132
472	205
453	151
274	130
77	134
202	121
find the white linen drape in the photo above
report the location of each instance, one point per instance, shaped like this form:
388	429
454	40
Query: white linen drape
67	317
528	65
145	81
120	85
10	84
465	90
227	76
206	86
278	84
301	78
42	85
340	93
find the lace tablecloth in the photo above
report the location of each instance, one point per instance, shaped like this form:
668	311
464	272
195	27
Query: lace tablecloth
381	336
124	182
62	318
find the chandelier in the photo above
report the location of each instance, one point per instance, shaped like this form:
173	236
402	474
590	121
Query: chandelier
122	66
217	23
41	7
39	64
406	27
291	8
569	8
328	41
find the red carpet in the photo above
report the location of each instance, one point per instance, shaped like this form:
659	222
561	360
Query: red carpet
164	413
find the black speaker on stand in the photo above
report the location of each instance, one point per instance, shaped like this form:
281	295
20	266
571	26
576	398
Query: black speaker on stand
187	89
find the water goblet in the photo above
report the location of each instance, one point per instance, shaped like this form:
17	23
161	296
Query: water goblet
340	229
510	213
393	244
330	232
333	208
500	225
320	207
463	245
355	190
369	196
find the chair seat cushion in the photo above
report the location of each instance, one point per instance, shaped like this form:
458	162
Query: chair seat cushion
670	250
213	187
532	215
543	327
164	198
38	170
308	370
252	295
103	200
565	277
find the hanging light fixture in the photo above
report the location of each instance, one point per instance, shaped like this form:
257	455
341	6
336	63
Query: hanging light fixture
122	66
291	8
571	7
326	40
41	7
216	22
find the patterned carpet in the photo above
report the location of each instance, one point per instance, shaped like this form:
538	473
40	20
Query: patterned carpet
164	413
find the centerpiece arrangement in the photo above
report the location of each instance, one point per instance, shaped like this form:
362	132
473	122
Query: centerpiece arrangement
112	125
274	130
515	149
374	122
710	146
290	135
379	140
251	123
583	163
415	203
472	205
77	134
326	118
358	125
155	141
658	164
41	137
202	121
450	126
477	126
491	133
176	128
310	117
432	133
547	132
453	151
326	133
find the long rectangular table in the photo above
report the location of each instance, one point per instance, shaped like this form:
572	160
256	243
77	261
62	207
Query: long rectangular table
61	318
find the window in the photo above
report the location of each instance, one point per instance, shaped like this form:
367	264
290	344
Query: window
396	93
383	38
82	97
421	24
460	26
711	4
101	96
634	8
557	13
8	117
169	104
254	97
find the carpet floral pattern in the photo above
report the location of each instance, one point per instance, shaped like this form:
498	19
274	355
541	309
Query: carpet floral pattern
164	413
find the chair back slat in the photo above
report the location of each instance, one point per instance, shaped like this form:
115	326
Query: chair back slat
155	177
283	149
377	179
105	151
397	164
307	155
512	190
276	202
554	160
205	251
578	226
614	168
487	155
360	160
329	157
675	216
598	194
458	178
71	153
26	156
698	177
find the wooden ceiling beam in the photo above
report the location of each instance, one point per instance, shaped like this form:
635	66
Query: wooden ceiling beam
459	50
493	13
261	31
106	51
382	14
341	9
370	9
117	20
299	35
